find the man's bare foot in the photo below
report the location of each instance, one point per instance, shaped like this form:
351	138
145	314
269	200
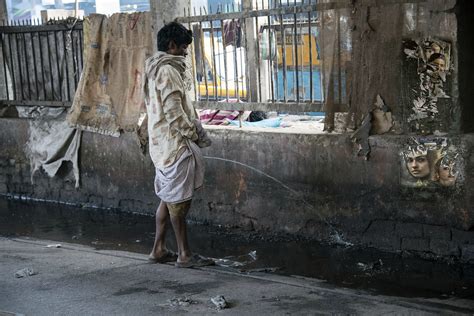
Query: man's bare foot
194	261
162	256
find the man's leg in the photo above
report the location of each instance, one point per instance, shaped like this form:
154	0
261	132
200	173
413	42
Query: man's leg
178	214
159	247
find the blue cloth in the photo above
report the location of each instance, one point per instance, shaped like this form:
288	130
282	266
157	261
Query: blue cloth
272	122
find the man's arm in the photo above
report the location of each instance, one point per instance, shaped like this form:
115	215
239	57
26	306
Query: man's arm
177	118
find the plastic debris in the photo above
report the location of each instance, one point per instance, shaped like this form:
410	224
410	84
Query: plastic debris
338	239
53	246
373	267
264	270
26	272
180	302
236	261
220	302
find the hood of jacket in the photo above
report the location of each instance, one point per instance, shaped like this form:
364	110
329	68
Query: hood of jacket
158	60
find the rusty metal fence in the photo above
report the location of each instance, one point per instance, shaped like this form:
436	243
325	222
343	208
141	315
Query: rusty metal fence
268	56
40	63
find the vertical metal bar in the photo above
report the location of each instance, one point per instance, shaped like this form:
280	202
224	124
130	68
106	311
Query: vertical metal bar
60	82
322	57
214	76
18	55
74	60
259	81
203	58
270	57
5	64
300	17
27	68
246	93
310	36
236	71
295	44
195	83
34	65
225	60
50	65
283	43
81	50
15	96
66	66
12	66
42	65
277	88
339	85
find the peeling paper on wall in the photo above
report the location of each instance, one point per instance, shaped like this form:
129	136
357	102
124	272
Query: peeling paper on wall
378	121
382	120
434	63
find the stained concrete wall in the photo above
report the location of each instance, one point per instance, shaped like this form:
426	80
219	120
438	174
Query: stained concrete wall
322	182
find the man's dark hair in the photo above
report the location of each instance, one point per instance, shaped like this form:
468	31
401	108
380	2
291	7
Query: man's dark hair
175	32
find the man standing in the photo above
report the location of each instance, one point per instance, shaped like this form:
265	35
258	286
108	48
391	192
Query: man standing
174	133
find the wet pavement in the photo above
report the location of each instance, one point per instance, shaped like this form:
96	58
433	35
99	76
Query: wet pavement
349	267
79	280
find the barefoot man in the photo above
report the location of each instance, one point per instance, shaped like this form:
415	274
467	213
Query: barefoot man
175	137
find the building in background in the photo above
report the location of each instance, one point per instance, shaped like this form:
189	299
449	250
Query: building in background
31	9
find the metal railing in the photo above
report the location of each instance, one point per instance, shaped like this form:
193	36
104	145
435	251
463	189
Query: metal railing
40	63
273	61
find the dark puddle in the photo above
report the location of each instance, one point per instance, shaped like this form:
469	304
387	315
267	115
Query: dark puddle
352	267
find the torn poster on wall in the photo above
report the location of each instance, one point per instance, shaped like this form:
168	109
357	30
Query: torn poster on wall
431	162
434	64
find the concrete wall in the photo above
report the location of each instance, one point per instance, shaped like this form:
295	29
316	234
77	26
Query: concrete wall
322	181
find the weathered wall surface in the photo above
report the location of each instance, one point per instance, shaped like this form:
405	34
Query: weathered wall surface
322	182
310	185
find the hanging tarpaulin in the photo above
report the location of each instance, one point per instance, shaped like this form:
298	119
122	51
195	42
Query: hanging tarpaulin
109	95
51	141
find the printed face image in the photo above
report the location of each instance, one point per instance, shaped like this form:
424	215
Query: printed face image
447	174
418	166
438	64
432	49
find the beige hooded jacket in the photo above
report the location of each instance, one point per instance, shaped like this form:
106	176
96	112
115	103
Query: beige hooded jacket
170	111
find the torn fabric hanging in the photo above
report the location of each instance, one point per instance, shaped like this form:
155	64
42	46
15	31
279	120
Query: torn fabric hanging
232	33
51	141
109	95
334	43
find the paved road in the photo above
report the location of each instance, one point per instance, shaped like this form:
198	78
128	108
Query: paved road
79	280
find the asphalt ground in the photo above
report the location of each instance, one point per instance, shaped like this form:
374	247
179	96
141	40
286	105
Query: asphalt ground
80	280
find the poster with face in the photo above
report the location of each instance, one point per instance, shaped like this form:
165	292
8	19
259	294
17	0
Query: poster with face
430	162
